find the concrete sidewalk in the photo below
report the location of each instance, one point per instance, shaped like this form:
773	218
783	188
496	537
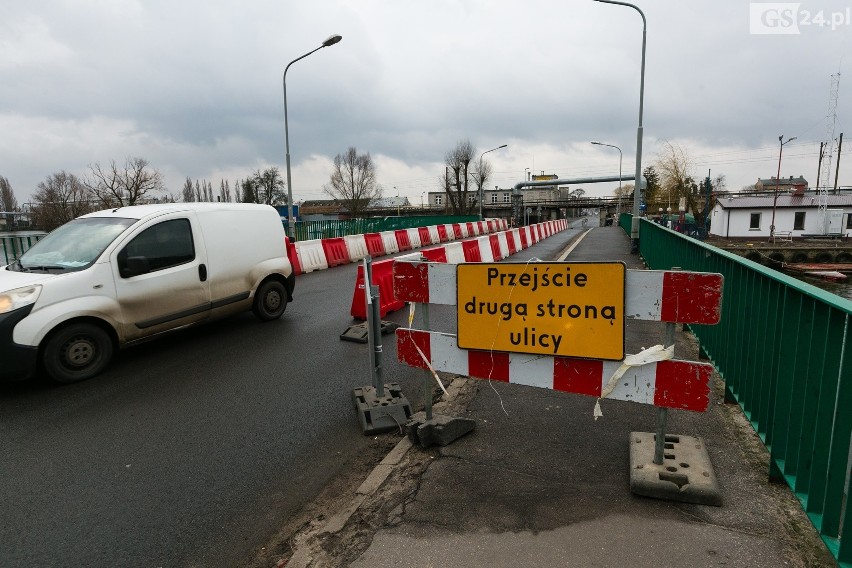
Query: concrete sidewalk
541	483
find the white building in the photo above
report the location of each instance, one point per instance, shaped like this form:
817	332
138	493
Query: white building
795	216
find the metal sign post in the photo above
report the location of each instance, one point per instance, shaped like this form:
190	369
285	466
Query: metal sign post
381	407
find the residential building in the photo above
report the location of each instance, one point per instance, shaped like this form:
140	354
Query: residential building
795	216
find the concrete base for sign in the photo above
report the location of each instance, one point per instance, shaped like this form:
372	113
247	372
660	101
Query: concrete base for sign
358	333
440	430
381	414
685	475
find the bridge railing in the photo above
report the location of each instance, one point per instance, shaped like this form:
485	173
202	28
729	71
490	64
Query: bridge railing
13	246
784	349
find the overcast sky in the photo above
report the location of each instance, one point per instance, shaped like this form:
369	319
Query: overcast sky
195	87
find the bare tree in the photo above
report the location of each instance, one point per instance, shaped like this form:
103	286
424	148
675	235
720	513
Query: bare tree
353	181
60	198
128	185
481	174
457	176
8	202
675	165
224	191
269	187
188	191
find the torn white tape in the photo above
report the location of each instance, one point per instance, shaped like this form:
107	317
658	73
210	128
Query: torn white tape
653	354
432	369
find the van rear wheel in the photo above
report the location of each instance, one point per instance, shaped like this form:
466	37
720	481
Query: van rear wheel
270	300
77	352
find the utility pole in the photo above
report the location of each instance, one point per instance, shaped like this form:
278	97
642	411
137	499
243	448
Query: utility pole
837	171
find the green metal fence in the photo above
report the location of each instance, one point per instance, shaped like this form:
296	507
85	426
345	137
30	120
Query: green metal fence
784	349
13	246
306	230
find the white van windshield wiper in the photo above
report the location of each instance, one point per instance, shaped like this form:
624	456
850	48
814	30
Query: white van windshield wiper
41	268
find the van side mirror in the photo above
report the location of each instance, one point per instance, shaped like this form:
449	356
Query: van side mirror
134	266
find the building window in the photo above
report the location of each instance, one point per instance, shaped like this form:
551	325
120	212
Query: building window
493	198
439	199
507	198
799	221
754	223
471	199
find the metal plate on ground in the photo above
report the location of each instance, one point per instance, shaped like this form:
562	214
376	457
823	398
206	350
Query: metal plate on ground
685	475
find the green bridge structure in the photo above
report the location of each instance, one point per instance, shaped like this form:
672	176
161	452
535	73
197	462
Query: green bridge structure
784	350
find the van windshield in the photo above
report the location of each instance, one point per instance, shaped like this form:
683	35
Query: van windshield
73	246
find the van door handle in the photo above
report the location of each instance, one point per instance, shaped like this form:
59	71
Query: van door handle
202	272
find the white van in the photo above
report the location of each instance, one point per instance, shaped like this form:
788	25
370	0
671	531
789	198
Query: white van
120	276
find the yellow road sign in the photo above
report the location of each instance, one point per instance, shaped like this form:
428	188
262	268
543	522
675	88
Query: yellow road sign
569	309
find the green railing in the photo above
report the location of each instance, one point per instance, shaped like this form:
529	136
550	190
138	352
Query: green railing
306	230
784	349
13	246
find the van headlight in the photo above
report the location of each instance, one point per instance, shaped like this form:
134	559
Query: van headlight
18	298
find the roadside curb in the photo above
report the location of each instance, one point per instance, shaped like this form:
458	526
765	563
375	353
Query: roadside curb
308	551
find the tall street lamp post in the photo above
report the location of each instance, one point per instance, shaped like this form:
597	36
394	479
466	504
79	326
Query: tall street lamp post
777	181
482	184
618	203
291	220
637	188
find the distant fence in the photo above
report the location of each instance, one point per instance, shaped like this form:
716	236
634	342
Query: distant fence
784	349
12	246
307	230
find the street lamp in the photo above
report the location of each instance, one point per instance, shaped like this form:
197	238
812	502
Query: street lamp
777	181
618	203
291	220
637	189
422	193
397	200
481	184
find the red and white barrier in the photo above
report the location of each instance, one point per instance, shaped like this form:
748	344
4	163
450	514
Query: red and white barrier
677	384
650	295
357	247
311	255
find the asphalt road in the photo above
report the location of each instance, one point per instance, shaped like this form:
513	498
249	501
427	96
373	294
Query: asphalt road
192	450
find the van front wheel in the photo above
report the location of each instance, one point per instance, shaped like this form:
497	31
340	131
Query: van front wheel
77	352
270	300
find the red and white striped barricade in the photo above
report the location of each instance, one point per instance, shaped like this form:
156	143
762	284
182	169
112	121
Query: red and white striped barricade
357	247
311	255
665	296
389	241
485	252
414	238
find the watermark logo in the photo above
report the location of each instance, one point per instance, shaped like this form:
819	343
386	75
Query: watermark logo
788	18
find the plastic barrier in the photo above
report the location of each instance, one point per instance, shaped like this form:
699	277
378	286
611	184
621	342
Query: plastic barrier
471	231
335	251
436	254
389	240
485	252
504	246
454	252
459	230
414	238
510	242
425	236
524	236
403	242
311	255
293	256
516	233
357	247
442	233
375	244
471	251
451	233
494	242
433	233
383	278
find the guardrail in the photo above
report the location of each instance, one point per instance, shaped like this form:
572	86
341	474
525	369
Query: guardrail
308	230
784	349
13	246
